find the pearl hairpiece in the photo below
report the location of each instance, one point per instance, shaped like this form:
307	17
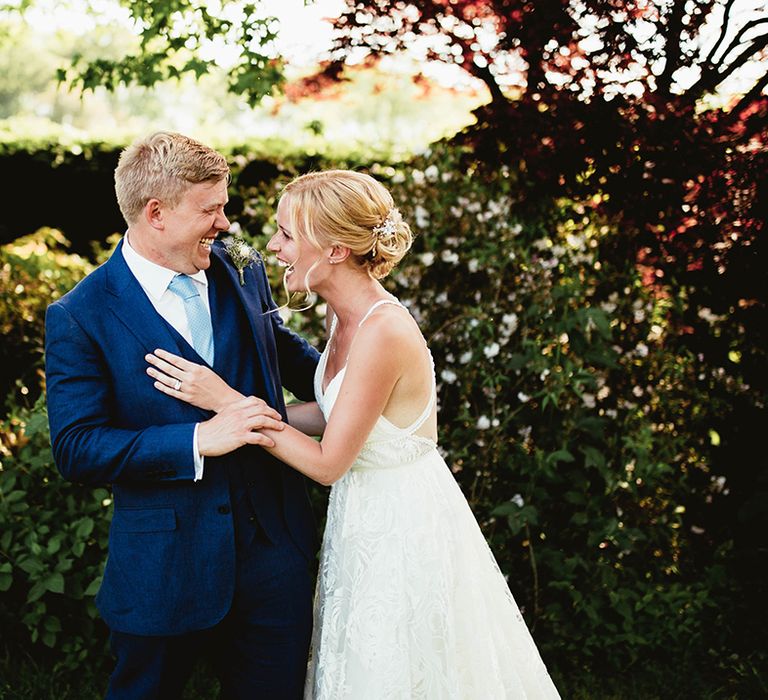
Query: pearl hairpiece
388	227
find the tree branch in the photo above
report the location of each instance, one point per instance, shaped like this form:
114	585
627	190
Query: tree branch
711	77
723	32
752	95
758	44
672	47
472	68
736	40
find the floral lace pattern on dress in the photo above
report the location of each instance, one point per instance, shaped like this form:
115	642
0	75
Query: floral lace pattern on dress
410	602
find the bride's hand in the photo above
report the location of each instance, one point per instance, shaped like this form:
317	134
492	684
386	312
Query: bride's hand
190	382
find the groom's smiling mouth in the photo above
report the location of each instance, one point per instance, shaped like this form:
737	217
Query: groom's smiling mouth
207	242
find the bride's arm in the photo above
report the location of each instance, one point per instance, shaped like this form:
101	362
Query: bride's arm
203	388
306	417
376	363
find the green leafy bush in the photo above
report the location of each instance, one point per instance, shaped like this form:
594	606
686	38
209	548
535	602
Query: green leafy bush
576	424
571	418
52	548
34	271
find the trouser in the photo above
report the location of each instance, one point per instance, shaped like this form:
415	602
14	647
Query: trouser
258	650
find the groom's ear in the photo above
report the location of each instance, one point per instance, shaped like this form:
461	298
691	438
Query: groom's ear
338	254
153	213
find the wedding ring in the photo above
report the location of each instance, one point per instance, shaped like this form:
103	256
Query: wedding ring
177	387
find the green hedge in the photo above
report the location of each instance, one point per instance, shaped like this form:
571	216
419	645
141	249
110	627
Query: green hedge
574	421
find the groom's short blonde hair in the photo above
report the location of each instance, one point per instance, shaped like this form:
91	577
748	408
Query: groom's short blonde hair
163	166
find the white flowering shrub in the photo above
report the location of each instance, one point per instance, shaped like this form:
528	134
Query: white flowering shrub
565	414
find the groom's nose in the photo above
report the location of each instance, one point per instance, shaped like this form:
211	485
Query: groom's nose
222	222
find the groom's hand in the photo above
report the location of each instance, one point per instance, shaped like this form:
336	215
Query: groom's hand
235	426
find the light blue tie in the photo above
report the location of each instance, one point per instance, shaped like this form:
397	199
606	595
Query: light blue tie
200	327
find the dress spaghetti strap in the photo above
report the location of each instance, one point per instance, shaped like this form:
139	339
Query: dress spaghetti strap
376	306
413	427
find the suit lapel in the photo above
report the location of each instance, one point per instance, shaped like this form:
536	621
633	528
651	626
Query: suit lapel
130	304
254	305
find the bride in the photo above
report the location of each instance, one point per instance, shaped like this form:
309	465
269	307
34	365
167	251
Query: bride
410	601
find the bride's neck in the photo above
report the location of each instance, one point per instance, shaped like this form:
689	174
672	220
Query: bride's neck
351	301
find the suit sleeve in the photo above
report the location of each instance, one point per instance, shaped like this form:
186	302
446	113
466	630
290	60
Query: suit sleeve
297	358
87	446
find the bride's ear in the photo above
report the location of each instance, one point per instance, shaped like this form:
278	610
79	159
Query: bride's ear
338	254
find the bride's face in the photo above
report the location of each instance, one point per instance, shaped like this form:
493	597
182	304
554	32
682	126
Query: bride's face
300	258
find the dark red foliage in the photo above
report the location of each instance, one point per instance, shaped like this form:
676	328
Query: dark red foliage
583	105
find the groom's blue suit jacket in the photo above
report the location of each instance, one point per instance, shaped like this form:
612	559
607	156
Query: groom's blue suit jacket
171	564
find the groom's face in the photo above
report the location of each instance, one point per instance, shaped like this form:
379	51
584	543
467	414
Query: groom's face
190	227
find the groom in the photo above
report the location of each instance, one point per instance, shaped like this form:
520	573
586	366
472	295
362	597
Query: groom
211	538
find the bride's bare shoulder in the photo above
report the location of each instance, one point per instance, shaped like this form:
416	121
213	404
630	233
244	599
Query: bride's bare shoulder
391	329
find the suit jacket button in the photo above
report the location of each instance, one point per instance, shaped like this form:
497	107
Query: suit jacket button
224	510
253	519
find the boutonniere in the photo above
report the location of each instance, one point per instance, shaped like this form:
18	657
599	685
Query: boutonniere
241	254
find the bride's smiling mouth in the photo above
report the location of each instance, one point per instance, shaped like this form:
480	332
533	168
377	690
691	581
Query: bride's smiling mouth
289	267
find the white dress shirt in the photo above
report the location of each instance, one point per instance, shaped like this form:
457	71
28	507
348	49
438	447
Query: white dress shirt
154	280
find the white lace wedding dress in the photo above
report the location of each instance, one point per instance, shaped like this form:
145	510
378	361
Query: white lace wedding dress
410	601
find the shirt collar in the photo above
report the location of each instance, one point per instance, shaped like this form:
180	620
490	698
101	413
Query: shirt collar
153	277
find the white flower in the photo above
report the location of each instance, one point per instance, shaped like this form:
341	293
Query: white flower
398	177
491	350
431	173
427	259
422	216
515	229
523	398
510	323
483	423
517	499
449	256
589	400
473	265
637	391
642	349
448	375
241	254
235	228
418	177
465	357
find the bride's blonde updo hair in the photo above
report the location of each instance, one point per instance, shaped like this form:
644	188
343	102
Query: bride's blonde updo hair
350	209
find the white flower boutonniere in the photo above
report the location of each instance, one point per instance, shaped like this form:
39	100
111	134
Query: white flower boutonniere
241	253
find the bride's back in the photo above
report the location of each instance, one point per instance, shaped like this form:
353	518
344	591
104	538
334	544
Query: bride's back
413	391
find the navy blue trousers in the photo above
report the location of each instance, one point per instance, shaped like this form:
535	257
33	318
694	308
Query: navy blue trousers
259	650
